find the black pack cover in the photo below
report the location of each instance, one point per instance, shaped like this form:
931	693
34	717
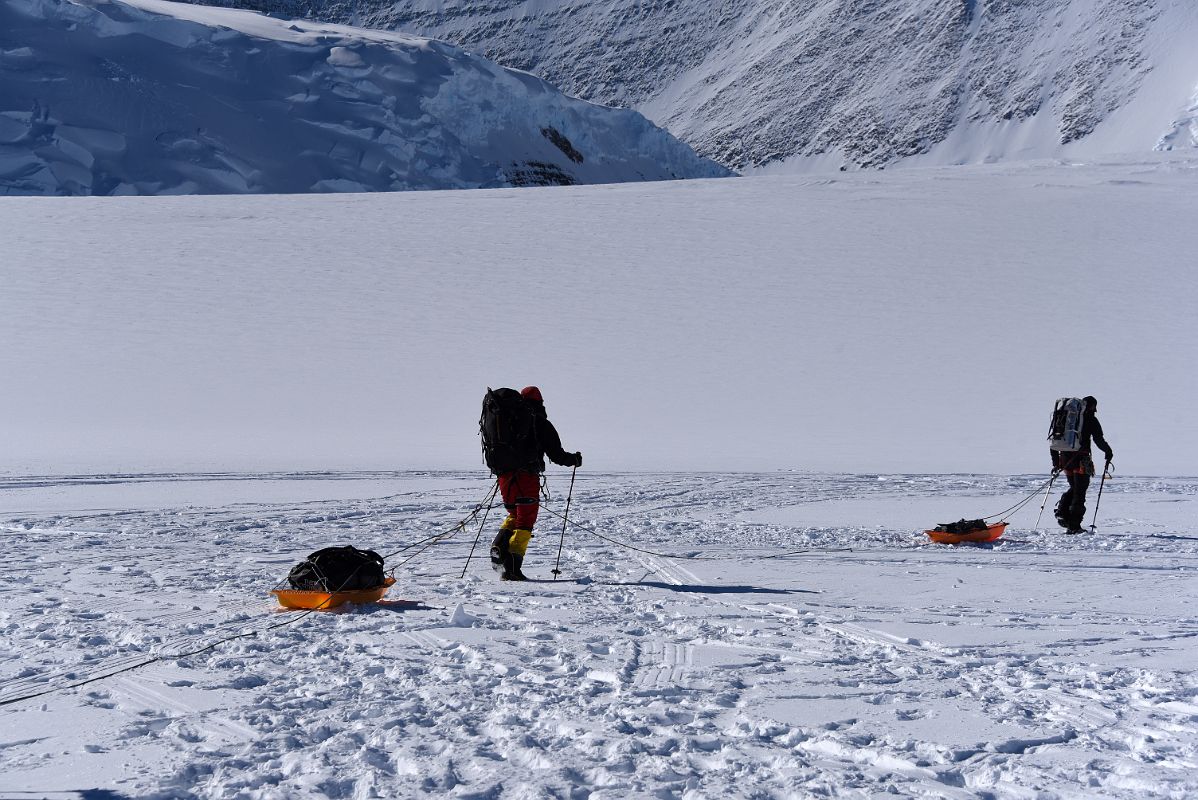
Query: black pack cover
338	569
509	432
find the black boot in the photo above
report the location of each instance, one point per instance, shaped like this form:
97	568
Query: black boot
499	552
512	571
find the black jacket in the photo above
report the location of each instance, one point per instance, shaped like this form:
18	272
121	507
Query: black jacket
550	443
1092	429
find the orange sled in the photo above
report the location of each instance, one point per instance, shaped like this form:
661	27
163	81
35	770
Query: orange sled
323	601
990	533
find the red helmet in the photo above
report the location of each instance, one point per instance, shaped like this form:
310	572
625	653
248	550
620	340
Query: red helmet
532	393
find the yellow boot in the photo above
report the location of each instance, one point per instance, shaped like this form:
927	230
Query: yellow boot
517	547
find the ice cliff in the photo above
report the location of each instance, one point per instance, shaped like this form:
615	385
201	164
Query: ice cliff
153	97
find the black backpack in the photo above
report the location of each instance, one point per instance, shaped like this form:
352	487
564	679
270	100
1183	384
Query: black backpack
338	569
509	431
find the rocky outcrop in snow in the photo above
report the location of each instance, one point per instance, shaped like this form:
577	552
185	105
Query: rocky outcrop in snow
152	97
868	82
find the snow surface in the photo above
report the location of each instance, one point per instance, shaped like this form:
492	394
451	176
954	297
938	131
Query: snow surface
913	321
810	85
152	97
865	663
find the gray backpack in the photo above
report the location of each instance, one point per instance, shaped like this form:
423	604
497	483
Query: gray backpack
1065	430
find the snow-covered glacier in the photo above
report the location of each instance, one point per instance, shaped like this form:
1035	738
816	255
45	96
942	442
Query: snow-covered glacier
152	97
840	82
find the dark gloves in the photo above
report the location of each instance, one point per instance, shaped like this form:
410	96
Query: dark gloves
1110	456
577	459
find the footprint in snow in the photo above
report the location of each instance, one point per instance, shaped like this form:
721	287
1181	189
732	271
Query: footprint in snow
909	714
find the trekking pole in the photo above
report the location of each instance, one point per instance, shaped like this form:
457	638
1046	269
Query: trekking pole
1106	468
565	520
1051	481
481	525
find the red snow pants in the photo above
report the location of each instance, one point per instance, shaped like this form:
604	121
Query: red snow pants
521	497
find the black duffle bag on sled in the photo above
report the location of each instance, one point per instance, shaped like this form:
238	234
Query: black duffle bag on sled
962	526
338	569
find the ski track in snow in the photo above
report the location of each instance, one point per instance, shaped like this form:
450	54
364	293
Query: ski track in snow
1043	666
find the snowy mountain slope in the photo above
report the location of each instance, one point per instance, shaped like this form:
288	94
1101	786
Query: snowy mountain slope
150	97
906	320
755	82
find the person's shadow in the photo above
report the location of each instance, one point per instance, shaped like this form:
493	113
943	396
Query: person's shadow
401	605
694	588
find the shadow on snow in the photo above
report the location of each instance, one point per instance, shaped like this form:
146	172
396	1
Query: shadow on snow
692	588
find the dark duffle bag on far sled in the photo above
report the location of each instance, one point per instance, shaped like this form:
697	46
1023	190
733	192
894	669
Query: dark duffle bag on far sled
962	526
338	569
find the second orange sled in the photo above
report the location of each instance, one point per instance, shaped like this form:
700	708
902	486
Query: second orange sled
990	533
323	601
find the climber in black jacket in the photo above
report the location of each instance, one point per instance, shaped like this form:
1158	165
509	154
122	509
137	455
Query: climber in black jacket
1079	468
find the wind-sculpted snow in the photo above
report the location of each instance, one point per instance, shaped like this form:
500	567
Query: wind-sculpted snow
753	82
803	640
149	97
